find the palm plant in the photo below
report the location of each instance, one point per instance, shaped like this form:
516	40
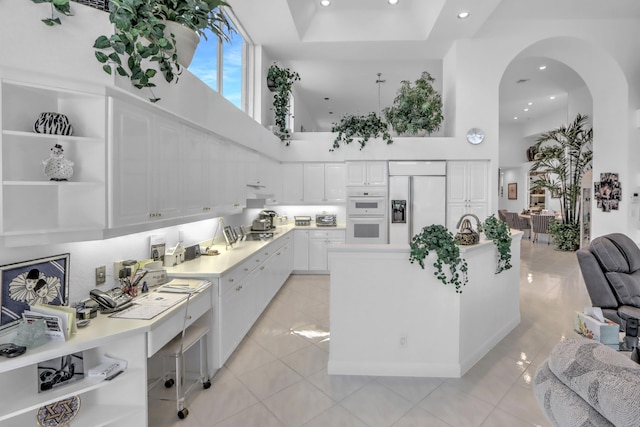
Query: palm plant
564	155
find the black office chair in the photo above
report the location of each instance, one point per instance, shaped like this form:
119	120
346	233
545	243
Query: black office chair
611	270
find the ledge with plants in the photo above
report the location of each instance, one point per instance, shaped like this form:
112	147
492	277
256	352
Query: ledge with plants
280	81
362	128
416	108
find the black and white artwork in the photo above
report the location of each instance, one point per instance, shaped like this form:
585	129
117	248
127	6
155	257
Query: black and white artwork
608	191
39	281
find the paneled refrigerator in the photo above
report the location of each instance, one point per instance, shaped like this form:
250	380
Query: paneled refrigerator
417	197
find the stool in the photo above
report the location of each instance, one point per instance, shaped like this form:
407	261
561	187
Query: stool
175	349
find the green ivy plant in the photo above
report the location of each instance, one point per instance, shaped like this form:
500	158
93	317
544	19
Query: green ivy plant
498	231
362	127
197	15
282	80
416	107
438	238
61	6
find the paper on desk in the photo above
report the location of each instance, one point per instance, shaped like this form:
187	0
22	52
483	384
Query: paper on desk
162	299
185	286
595	312
150	305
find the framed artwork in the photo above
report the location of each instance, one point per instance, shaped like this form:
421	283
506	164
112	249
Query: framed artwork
39	281
512	191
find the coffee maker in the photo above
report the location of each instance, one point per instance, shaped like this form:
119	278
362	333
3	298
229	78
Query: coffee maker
269	216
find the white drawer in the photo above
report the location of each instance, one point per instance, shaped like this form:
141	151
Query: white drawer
235	276
330	234
171	324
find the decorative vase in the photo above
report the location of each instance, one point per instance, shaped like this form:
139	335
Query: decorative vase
186	41
271	85
53	123
56	167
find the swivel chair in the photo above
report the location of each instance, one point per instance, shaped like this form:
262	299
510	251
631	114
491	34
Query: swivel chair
610	267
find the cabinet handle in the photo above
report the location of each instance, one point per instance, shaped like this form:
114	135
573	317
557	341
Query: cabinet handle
246	269
231	280
257	260
278	253
262	268
238	287
266	254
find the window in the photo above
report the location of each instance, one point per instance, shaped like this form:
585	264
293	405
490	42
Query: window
213	55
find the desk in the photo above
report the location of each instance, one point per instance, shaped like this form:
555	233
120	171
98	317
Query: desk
122	401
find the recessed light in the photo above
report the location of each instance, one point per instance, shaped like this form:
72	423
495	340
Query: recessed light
515	118
326	98
552	97
463	15
393	2
542	67
325	3
529	103
526	109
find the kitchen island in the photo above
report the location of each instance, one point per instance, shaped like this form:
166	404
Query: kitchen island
391	318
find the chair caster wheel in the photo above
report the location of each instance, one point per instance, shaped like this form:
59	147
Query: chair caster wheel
183	413
206	384
169	383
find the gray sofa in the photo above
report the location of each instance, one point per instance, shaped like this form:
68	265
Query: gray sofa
586	384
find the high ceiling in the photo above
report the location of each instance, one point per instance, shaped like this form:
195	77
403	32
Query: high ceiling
339	50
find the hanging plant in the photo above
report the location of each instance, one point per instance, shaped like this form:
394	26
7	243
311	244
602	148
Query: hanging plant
61	6
362	127
498	231
139	37
416	108
281	82
437	238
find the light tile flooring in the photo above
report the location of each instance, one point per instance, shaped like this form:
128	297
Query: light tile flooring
278	375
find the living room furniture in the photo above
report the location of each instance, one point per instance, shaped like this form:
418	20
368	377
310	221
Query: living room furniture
611	270
518	222
540	225
585	383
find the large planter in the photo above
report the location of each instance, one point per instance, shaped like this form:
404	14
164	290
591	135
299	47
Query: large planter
186	41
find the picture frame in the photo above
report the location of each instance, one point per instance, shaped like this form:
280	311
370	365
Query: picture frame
512	191
37	281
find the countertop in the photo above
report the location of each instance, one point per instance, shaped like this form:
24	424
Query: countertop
218	265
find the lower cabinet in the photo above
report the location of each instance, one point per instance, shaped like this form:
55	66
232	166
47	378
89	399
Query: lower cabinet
245	291
311	249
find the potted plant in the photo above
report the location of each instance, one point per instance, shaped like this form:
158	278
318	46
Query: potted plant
140	39
416	108
362	127
498	231
280	81
61	6
564	155
437	238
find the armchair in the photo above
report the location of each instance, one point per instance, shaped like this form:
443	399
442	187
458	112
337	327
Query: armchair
610	267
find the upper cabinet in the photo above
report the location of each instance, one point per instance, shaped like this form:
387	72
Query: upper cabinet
313	183
35	209
467	190
373	173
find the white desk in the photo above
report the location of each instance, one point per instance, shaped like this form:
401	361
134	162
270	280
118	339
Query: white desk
122	401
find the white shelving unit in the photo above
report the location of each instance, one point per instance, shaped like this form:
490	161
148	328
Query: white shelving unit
31	204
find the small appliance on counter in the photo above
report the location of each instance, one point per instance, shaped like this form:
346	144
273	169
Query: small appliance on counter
326	220
261	224
302	221
269	216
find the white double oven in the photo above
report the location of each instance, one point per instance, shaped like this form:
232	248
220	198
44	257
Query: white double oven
367	215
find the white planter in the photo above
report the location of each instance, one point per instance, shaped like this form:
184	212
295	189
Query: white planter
186	41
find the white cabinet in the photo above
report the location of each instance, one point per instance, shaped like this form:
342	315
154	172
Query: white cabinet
311	249
367	173
247	289
34	207
467	190
292	183
301	250
233	178
313	182
146	165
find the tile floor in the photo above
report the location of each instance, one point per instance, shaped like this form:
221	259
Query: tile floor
278	375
